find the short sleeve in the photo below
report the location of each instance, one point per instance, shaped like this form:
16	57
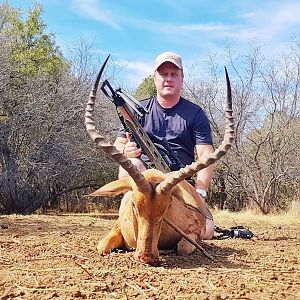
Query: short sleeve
201	129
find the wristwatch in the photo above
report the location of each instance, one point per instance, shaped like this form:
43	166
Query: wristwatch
202	192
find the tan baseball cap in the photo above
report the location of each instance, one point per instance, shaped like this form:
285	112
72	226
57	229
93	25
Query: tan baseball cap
170	57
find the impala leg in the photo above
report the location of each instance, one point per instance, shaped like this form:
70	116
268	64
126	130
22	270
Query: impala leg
114	240
184	247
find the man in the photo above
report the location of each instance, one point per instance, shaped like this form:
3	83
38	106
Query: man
172	122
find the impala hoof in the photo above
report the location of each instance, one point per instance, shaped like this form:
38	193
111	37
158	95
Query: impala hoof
149	260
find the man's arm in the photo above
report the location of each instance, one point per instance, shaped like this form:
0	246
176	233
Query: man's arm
204	176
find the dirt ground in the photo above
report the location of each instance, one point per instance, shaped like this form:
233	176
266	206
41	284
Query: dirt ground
55	257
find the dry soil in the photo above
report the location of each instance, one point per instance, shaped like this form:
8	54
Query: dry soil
55	257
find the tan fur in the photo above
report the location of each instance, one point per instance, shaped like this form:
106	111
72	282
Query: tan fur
140	225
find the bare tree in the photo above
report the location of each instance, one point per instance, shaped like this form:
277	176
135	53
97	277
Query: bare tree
260	170
46	158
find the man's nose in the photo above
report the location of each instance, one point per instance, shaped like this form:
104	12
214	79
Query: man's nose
169	77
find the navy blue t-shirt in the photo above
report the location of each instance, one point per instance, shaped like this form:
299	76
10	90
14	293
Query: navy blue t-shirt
182	126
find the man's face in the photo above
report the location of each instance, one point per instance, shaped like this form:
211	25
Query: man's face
168	80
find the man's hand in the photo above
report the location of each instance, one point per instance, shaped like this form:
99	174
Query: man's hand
130	149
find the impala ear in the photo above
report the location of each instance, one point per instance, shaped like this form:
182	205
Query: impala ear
113	188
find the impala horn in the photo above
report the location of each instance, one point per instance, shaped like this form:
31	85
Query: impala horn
109	149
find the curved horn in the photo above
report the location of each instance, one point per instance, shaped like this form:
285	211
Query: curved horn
109	149
204	161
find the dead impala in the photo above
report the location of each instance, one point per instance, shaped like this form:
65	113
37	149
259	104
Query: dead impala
154	203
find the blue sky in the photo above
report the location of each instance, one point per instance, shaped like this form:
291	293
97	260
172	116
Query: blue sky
135	32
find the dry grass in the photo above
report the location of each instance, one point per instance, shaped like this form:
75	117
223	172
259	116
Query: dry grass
290	217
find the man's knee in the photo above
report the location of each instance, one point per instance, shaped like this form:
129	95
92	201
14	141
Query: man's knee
208	233
209	230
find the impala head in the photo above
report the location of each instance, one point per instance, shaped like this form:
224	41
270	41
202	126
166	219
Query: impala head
147	208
